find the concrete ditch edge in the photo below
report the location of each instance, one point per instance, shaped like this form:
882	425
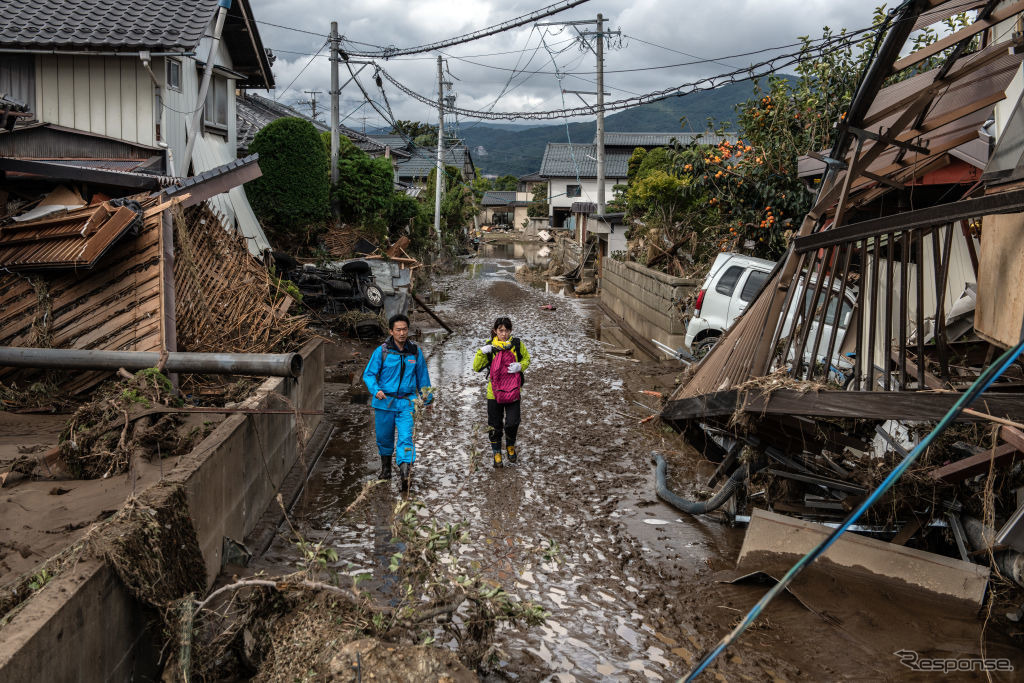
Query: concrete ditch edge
83	625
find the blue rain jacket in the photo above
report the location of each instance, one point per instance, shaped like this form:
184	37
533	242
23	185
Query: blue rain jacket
400	374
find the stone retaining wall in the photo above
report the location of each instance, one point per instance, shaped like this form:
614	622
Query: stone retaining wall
83	625
647	300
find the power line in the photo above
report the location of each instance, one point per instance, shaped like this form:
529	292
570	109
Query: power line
301	71
388	52
759	70
846	38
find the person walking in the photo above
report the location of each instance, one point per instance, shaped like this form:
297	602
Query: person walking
505	358
395	375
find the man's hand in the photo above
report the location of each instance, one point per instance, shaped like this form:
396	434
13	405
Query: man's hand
513	368
379	395
486	348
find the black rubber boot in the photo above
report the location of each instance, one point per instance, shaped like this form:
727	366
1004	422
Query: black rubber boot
385	468
403	474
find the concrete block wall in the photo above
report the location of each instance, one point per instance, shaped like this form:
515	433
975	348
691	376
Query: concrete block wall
84	625
646	299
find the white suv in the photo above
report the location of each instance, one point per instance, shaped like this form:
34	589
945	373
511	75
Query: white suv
736	280
728	289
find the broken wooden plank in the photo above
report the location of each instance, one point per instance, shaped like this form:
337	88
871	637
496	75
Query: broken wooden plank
976	464
871	405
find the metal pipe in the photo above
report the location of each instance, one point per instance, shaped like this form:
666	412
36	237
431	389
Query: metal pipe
258	364
193	130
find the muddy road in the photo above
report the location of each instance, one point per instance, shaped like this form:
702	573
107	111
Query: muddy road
629	584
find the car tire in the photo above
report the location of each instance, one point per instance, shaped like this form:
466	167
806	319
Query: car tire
374	297
701	348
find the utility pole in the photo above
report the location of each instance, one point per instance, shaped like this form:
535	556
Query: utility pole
312	99
440	153
601	35
600	115
335	105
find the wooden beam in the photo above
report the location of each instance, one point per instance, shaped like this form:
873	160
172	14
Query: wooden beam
954	38
871	405
976	464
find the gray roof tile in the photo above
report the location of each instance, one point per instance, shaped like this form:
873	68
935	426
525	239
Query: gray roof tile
497	198
424	161
95	24
565	160
633	140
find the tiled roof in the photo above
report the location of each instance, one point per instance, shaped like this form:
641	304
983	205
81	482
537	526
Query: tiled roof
633	140
583	207
565	160
423	161
392	141
94	24
253	112
497	198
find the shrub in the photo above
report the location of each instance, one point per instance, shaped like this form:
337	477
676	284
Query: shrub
292	193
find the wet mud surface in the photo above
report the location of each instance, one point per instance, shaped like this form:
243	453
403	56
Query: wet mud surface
631	585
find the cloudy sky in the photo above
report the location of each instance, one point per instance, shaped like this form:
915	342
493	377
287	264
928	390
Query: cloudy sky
655	33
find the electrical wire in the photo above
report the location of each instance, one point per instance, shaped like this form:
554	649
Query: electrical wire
281	94
761	69
976	389
842	41
389	52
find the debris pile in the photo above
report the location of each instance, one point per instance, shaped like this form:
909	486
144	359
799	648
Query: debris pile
124	420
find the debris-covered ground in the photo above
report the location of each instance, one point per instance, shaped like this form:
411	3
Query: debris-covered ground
631	587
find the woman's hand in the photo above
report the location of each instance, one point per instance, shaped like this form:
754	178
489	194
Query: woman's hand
513	368
486	348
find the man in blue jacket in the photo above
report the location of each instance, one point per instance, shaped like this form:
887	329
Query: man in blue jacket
395	375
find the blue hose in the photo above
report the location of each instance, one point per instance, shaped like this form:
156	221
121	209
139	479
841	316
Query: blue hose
980	385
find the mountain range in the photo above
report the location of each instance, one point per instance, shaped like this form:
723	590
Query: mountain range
515	149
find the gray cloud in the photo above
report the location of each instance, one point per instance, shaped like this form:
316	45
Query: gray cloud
699	29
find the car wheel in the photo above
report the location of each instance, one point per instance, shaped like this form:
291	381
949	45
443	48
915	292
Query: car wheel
374	296
702	347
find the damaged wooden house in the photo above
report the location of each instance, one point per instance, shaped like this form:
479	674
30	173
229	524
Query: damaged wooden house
123	222
919	214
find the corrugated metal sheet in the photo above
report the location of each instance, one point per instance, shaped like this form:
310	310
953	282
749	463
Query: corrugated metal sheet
75	240
232	206
48	141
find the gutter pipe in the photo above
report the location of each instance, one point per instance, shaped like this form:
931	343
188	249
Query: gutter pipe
204	86
257	364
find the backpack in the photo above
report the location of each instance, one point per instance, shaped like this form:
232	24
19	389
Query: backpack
516	347
504	385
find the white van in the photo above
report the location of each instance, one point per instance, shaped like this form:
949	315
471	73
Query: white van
735	281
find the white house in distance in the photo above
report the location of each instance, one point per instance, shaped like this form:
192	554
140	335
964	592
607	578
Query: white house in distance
115	85
571	173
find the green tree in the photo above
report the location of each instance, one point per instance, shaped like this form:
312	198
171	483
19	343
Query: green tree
457	207
635	159
422	134
539	205
506	183
291	197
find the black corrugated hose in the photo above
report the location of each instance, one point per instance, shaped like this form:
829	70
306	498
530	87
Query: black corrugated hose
692	507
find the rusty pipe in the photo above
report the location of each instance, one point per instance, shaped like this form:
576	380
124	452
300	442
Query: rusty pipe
257	364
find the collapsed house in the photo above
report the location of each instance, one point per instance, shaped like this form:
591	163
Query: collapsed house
919	213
